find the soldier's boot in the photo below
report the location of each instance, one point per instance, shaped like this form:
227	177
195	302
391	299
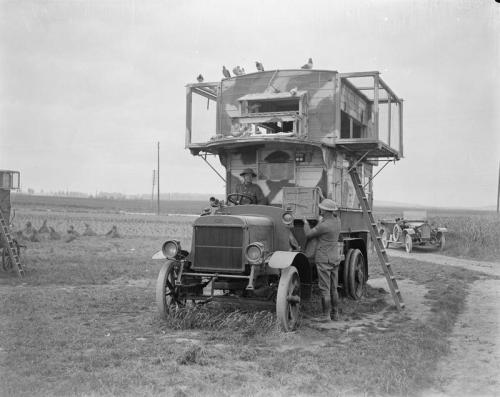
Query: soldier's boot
326	306
335	306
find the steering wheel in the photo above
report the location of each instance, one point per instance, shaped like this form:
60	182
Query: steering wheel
237	198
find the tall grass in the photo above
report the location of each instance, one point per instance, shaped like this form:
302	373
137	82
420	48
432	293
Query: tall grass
474	236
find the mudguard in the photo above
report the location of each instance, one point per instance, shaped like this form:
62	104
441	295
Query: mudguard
282	259
410	231
285	259
442	229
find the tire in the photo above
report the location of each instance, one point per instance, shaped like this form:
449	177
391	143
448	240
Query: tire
345	273
357	279
397	232
385	242
167	293
442	242
6	261
288	299
408	243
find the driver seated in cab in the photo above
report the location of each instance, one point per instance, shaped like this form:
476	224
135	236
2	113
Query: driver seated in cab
250	189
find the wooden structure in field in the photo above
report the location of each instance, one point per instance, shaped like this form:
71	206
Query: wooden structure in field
9	180
298	128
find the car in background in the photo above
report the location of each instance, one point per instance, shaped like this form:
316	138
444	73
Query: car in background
413	229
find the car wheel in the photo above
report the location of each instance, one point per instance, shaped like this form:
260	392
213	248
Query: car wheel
442	242
345	273
357	279
6	262
397	232
385	242
408	243
167	293
288	299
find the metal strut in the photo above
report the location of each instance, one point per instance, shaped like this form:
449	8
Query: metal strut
378	172
204	158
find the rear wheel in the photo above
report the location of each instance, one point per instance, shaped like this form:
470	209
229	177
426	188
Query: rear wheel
6	261
168	294
288	299
345	273
441	242
408	243
357	279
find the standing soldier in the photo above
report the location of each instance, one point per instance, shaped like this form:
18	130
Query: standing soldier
327	257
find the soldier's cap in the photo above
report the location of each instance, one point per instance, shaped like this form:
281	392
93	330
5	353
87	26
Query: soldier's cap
328	205
248	171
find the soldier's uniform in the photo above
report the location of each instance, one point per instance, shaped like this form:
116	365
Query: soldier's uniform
251	189
327	260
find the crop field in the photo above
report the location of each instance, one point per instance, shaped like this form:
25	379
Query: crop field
83	320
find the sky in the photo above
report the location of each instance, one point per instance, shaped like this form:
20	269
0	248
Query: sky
87	88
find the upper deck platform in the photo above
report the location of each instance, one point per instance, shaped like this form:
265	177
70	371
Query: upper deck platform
352	112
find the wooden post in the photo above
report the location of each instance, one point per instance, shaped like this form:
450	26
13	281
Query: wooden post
401	128
375	104
189	105
158	173
389	119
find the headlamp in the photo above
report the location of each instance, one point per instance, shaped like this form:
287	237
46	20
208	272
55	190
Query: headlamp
255	252
171	248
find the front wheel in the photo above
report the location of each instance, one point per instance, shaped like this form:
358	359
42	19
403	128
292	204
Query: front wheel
167	293
288	299
383	237
408	243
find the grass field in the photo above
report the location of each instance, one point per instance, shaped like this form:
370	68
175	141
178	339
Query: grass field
83	322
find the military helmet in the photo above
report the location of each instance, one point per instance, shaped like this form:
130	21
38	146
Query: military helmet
328	205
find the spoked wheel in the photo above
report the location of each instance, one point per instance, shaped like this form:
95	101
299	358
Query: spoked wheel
6	261
356	278
441	242
408	243
383	237
288	299
167	293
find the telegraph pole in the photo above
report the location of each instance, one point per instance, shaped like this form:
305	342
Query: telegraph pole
158	175
498	193
153	191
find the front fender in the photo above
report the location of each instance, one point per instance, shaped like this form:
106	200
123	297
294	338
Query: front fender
442	230
410	231
284	259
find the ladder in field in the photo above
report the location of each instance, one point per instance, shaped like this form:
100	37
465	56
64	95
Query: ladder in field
376	238
11	249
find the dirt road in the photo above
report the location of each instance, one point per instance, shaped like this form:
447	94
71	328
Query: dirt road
473	367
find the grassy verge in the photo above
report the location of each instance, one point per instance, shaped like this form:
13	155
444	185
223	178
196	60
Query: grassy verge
85	338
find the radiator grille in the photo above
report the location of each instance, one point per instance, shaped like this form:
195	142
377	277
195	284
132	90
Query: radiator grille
218	248
425	231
